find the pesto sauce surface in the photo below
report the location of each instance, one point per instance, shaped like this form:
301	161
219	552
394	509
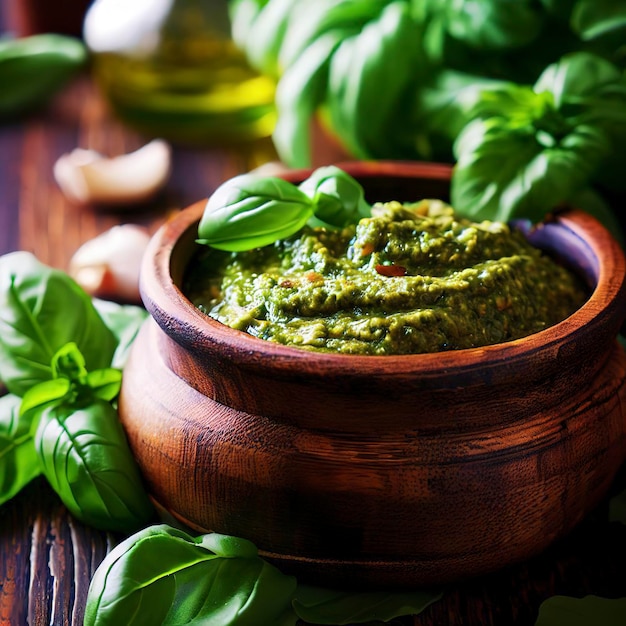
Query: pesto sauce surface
410	279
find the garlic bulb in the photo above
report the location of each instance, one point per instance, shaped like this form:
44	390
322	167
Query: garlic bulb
108	265
85	176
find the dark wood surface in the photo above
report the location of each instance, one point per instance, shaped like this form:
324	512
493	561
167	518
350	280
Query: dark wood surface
46	557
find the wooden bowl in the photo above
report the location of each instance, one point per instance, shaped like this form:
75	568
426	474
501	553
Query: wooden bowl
370	471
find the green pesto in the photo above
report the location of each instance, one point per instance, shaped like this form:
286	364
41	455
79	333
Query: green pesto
409	279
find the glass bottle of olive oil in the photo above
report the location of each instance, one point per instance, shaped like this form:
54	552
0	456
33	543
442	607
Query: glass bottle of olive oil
170	68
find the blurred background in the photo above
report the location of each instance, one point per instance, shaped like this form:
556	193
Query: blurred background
527	99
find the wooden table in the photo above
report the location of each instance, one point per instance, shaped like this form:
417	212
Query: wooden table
46	557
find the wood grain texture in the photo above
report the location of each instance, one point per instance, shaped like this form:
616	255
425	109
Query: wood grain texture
385	471
48	559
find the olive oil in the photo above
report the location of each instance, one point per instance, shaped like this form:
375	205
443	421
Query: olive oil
175	72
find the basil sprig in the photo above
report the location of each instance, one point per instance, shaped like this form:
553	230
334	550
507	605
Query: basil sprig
41	310
251	211
530	148
60	419
81	447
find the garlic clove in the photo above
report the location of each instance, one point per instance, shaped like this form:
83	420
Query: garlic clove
108	266
85	176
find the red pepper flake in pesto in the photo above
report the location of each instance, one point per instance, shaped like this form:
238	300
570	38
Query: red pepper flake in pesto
313	277
391	270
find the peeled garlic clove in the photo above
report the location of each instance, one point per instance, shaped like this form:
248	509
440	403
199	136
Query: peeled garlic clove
108	265
85	176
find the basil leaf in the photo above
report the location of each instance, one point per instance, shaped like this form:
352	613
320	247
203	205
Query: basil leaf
260	32
85	457
242	16
338	198
504	172
544	145
162	575
585	82
18	460
364	93
592	19
33	68
298	95
311	21
250	211
124	321
493	25
316	605
565	611
104	384
52	391
41	310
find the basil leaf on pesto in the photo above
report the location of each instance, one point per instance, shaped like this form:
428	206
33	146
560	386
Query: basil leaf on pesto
338	198
250	211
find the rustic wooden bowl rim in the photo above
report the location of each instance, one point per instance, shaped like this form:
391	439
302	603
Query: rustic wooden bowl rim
176	315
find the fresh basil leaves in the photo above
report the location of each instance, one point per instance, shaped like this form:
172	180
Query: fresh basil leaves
33	68
526	98
59	420
251	211
41	310
162	575
537	147
338	199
